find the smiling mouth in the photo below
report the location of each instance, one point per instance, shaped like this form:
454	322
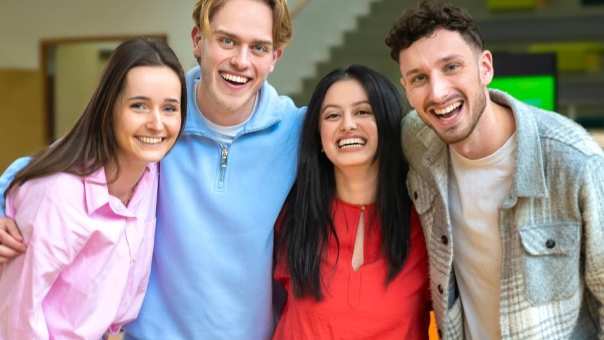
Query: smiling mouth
351	143
234	79
447	111
150	140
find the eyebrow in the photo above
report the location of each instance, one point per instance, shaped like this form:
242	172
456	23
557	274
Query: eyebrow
360	102
439	61
234	37
147	98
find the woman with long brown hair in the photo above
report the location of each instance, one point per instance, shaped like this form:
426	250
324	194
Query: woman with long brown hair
86	204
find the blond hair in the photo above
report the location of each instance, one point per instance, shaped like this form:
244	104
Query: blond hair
204	10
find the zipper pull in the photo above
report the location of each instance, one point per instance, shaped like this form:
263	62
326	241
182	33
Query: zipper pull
224	154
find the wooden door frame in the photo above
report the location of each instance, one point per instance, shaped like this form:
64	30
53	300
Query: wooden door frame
46	44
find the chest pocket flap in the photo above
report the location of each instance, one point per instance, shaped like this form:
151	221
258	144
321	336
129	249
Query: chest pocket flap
550	239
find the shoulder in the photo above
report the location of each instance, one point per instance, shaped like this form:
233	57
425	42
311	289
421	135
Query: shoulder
559	132
281	105
416	137
566	147
60	189
56	187
411	123
49	200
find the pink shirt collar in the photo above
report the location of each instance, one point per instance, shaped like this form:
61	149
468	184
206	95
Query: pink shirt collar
97	194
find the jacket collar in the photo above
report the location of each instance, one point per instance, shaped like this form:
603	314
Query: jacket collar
264	116
529	175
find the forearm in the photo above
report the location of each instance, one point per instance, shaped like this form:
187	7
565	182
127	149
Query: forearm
8	176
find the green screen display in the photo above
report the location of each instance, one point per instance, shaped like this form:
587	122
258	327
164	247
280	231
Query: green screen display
535	90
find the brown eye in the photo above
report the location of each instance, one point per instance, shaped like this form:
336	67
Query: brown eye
419	79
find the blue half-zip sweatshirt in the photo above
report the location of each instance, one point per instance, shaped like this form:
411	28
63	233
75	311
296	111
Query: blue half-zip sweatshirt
217	204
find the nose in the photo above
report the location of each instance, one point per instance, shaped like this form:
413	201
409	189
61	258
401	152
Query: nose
348	122
439	88
154	122
241	59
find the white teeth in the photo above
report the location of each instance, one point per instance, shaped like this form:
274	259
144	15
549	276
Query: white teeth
234	78
150	140
351	142
447	109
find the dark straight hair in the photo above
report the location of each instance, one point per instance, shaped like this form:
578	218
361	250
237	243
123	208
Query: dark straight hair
306	223
91	142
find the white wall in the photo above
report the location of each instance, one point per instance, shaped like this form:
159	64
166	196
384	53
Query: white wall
77	70
320	26
23	23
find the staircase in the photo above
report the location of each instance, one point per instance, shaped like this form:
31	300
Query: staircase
363	45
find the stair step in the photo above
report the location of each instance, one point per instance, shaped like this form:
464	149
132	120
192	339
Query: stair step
365	46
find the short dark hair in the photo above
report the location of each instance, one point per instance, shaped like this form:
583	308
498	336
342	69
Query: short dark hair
419	22
306	220
91	142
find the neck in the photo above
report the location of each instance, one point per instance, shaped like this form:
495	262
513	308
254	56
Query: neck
122	184
495	127
220	114
357	185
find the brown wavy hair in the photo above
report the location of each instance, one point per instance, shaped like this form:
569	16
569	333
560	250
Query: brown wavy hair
91	142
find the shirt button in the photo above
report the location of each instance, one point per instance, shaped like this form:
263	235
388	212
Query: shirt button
550	243
440	289
444	239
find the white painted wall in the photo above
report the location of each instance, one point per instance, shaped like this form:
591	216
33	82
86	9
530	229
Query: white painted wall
320	26
23	23
77	71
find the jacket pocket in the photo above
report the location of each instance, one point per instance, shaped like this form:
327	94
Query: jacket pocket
551	261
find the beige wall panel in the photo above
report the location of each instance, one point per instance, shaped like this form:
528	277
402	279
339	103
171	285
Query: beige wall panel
22	122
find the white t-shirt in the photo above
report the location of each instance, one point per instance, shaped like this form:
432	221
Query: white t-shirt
225	134
476	192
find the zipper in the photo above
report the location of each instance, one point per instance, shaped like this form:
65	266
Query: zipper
224	159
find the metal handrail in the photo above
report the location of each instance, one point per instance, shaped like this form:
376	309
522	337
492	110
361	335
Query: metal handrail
298	9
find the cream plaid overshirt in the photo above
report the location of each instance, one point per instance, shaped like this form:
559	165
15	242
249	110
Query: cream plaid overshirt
551	227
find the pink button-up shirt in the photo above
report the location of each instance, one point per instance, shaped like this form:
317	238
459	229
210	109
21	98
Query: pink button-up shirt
88	259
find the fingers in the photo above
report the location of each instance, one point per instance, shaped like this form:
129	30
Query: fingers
11	240
7	254
11	227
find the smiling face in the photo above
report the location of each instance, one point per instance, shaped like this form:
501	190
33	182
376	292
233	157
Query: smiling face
236	56
445	81
147	115
348	129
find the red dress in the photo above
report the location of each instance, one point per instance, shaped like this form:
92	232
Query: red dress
357	304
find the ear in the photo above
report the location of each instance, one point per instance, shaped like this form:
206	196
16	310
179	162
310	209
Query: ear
485	66
196	38
277	54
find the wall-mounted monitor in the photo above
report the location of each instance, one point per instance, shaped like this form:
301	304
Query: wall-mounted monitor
531	78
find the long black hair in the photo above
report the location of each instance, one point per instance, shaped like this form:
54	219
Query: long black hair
91	142
306	220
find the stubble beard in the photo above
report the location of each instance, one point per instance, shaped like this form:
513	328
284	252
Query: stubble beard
454	136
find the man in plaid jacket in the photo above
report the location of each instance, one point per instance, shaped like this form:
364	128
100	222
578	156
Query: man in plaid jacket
511	197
